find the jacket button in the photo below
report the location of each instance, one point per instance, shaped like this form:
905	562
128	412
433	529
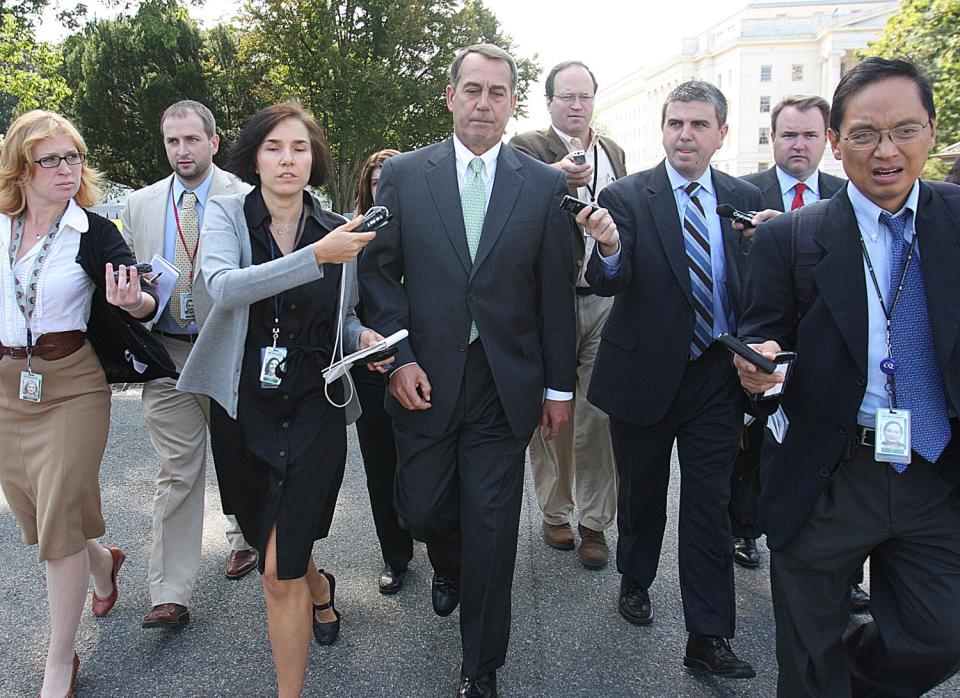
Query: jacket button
844	430
579	262
293	306
283	453
292	336
824	472
861	381
472	297
462	347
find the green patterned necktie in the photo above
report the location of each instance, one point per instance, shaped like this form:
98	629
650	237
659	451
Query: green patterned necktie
473	201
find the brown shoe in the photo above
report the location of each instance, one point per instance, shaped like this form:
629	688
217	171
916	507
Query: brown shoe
102	607
167	615
241	563
559	536
593	551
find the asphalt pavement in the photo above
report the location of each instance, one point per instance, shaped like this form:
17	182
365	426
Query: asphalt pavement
567	640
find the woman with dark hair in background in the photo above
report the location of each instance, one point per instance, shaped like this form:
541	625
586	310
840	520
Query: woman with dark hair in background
269	287
375	429
56	279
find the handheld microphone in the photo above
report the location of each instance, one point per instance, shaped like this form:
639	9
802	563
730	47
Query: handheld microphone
728	211
374	219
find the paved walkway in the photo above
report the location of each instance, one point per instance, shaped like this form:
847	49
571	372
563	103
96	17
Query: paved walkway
568	639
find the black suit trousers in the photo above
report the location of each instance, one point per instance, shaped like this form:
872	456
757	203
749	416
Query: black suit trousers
909	525
379	451
460	493
745	481
705	420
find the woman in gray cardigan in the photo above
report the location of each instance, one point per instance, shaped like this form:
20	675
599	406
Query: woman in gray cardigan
268	296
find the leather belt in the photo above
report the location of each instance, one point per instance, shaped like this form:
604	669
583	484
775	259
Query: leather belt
49	347
866	436
584	291
190	338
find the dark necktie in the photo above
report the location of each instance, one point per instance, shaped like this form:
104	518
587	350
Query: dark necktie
918	380
696	242
798	196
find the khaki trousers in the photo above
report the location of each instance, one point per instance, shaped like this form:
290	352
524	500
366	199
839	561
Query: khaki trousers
178	431
581	458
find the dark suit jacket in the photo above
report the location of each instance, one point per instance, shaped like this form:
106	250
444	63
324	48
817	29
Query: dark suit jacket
646	342
830	376
769	186
417	274
546	146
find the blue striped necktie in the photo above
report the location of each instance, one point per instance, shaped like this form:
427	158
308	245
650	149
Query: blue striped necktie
919	383
696	241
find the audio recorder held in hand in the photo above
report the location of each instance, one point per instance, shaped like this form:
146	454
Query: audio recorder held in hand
781	364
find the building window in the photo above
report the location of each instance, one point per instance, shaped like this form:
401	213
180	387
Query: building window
764	136
796	72
764	105
763	166
766	73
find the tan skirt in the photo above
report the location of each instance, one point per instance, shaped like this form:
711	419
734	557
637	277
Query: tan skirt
51	451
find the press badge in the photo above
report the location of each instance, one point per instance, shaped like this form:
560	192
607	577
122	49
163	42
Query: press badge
30	386
270	358
892	436
186	307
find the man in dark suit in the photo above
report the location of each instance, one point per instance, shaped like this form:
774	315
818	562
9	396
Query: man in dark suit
674	268
581	457
799	128
477	265
829	497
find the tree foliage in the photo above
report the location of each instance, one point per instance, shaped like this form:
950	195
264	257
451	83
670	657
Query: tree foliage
372	72
928	32
29	77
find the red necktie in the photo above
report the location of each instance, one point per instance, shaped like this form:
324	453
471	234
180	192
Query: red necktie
798	196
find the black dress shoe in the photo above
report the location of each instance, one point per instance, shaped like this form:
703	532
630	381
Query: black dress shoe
483	687
745	552
859	599
446	595
634	603
713	655
326	633
390	582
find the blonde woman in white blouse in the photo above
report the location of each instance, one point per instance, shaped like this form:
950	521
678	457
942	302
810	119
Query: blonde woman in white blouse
56	264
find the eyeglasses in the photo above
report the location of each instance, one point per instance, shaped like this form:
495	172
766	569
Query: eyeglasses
50	161
570	99
867	139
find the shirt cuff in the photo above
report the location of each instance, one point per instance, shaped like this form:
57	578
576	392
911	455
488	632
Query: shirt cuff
610	266
558	395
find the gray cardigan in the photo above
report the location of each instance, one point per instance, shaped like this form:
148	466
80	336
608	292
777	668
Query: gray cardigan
228	284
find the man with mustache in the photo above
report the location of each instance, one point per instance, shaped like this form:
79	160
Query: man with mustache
164	219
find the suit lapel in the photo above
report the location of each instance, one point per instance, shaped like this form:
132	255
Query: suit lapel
441	178
840	278
155	212
618	169
221	184
666	219
733	256
772	196
557	149
939	244
506	190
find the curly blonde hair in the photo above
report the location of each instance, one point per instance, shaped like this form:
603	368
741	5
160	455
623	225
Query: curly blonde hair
16	159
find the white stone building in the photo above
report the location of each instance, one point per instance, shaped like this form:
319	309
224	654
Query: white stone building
758	55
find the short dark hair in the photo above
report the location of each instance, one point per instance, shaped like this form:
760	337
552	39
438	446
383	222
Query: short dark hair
183	108
488	50
872	70
801	103
697	91
243	154
364	199
552	75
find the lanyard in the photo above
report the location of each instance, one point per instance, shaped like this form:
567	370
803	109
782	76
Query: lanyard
192	258
27	297
888	313
275	254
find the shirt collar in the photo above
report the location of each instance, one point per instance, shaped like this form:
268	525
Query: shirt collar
256	213
678	181
566	138
788	181
74	217
465	155
868	213
201	190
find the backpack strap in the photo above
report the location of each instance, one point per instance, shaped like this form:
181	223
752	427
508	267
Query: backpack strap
805	253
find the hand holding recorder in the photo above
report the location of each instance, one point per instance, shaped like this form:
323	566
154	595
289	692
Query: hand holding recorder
762	368
596	221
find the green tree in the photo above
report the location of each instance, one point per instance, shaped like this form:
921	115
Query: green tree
372	72
29	77
928	32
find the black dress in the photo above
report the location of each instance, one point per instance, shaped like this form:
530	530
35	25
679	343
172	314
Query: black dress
282	460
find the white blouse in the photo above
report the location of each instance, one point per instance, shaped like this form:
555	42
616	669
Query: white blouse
64	291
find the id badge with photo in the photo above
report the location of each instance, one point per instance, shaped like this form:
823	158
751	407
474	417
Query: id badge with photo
892	436
270	358
186	307
31	385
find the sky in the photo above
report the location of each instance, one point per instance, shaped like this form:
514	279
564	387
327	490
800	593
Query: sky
613	37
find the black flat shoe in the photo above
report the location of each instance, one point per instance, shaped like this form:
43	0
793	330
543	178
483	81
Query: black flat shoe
634	602
482	687
713	655
445	595
390	582
326	633
859	599
745	552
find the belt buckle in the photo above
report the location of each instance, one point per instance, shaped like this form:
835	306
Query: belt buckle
868	437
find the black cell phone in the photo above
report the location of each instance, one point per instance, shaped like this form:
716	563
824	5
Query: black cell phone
728	211
573	205
751	355
579	156
142	268
381	355
374	219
